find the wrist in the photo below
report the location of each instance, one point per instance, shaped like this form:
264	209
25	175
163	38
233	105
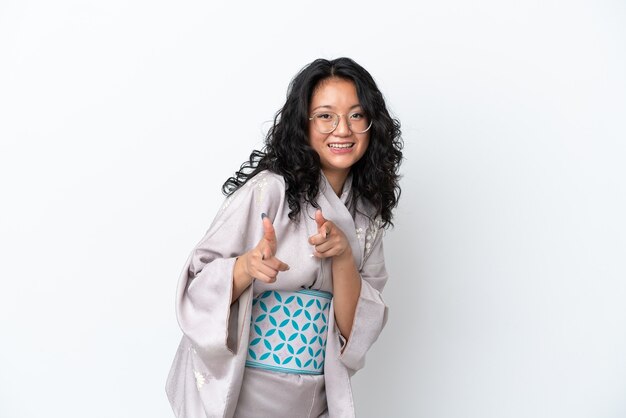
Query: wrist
346	254
240	273
344	257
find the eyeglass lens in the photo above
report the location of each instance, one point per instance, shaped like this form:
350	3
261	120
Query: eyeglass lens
326	122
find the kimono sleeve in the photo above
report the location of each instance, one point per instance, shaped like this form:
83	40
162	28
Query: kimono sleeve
203	300
370	314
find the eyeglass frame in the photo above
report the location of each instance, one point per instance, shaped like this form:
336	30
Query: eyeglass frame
339	120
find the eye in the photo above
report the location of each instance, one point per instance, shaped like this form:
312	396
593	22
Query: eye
357	116
324	116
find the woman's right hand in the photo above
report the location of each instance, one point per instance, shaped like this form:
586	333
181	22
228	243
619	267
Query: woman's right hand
258	263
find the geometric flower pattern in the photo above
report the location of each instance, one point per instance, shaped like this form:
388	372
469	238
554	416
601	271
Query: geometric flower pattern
288	331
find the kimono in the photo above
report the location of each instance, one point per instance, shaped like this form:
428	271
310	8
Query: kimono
207	373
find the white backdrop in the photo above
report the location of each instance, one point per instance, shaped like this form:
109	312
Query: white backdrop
120	120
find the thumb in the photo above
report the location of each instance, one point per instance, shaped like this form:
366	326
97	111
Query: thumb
320	221
319	218
268	229
266	253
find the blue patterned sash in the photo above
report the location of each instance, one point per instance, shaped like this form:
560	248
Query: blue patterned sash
288	331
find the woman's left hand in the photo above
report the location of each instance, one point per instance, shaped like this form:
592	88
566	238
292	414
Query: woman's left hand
330	241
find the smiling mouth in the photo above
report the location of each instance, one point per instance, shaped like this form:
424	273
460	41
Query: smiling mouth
341	146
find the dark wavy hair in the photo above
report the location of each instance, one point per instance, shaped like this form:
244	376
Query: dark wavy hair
287	150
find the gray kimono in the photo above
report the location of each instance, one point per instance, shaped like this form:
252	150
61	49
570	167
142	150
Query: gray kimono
206	376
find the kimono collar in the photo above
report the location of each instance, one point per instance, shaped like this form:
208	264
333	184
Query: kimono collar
339	210
346	192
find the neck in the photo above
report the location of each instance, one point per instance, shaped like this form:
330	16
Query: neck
336	180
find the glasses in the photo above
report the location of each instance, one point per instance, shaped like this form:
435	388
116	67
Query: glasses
326	122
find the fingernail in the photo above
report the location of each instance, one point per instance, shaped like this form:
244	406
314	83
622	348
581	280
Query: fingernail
263	215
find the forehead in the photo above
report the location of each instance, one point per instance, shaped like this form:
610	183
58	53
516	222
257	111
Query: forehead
335	92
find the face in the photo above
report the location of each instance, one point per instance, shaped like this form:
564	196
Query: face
342	148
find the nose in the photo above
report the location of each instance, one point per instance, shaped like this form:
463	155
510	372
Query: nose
342	128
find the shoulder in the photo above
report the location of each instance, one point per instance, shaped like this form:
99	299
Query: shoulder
365	207
266	182
372	221
265	185
268	177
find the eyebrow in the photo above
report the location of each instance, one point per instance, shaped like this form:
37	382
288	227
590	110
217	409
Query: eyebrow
331	107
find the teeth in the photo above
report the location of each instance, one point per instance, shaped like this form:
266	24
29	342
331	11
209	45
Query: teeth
340	145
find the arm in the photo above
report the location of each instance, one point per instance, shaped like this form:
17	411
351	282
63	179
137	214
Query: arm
331	242
360	312
206	286
346	291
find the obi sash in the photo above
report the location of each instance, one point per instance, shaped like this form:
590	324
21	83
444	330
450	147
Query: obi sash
288	331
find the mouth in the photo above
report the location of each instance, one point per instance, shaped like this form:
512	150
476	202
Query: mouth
342	145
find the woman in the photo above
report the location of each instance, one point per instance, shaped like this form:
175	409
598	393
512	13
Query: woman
281	299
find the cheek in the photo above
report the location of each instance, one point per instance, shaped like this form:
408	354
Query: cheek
316	140
366	144
312	137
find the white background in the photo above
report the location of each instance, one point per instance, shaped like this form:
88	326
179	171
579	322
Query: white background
120	120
